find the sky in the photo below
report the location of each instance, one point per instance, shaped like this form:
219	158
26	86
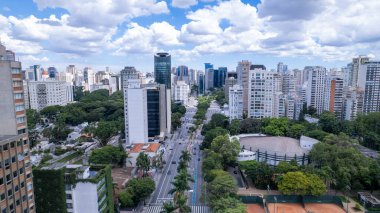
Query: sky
118	33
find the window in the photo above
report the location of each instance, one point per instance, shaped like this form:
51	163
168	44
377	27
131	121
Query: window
22	184
20	108
30	197
7	163
30	186
15	71
5	147
9	178
11	207
4	210
19	143
28	175
69	205
20	119
16	188
17	202
25	210
21	171
23	198
1	180
13	159
25	142
12	144
2	196
10	192
69	197
15	174
18	96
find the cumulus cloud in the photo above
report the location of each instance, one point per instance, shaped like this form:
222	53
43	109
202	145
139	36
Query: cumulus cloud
138	39
184	3
104	13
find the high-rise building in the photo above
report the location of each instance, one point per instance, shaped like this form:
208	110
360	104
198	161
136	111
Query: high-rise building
282	68
288	83
148	108
260	92
243	79
201	83
316	87
235	102
358	72
53	73
230	82
71	69
209	79
220	77
182	74
181	92
162	67
49	93
126	74
334	95
352	103
89	77
371	87
16	186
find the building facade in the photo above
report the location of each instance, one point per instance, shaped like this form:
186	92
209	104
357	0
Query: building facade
126	74
181	92
162	67
371	86
316	87
49	93
235	102
243	79
16	186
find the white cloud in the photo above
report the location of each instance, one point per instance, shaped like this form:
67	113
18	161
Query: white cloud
30	59
184	3
104	13
138	39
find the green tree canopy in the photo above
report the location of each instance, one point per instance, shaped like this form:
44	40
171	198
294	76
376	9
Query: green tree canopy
33	118
221	186
228	205
228	149
299	183
143	163
210	135
140	188
105	130
108	155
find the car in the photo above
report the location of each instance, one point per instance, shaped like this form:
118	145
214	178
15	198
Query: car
171	149
180	142
199	159
194	153
235	172
174	162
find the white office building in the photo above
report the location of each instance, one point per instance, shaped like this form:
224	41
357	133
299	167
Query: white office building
261	89
370	78
235	102
181	92
316	87
49	93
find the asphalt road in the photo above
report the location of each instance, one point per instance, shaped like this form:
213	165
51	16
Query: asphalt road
180	141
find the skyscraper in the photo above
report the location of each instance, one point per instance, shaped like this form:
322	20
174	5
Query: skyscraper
201	83
243	79
52	72
16	188
220	76
162	67
316	87
126	74
371	86
358	72
334	95
282	68
235	102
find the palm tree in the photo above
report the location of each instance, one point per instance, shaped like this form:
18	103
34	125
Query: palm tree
143	163
168	207
181	183
185	156
181	203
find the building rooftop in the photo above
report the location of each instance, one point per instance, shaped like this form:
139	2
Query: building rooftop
146	147
279	145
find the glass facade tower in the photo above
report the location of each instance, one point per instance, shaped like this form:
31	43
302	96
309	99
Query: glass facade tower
162	68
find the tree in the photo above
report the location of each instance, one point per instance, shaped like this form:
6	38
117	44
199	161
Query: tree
143	163
317	134
329	123
181	203
299	183
250	125
285	167
104	131
97	95
181	183
126	199
212	161
210	135
260	173
176	120
296	130
51	112
311	110
229	150
108	155
33	118
277	126
234	127
33	136
185	156
168	207
228	205
212	174
78	93
140	188
221	186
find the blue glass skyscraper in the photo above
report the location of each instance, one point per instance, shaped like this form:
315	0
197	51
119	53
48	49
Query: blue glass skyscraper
162	68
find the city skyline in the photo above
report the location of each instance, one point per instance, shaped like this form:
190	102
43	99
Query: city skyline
59	33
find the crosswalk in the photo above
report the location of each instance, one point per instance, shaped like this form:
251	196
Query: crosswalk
194	209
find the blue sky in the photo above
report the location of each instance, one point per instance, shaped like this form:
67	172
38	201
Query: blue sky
117	33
